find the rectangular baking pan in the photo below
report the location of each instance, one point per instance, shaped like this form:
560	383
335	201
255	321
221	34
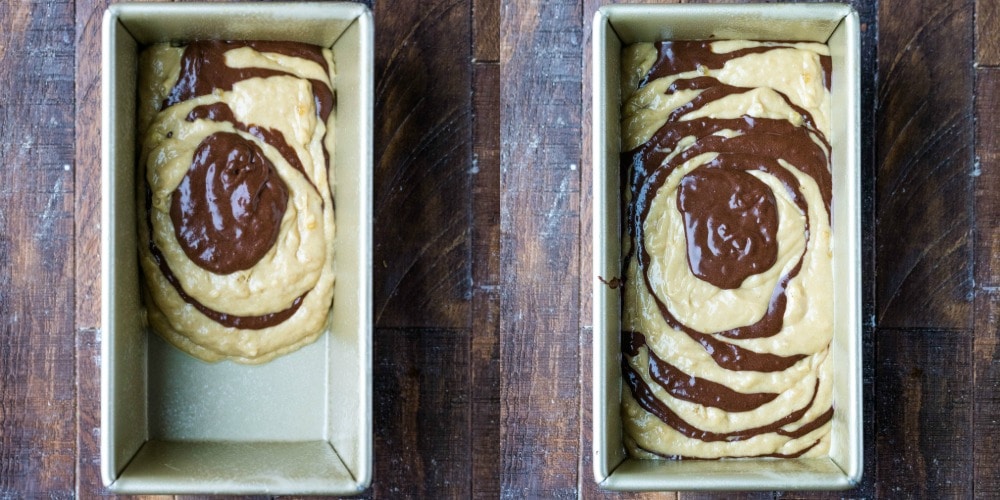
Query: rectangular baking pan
301	424
615	26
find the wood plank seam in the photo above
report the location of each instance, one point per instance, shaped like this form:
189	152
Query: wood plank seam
986	352
484	369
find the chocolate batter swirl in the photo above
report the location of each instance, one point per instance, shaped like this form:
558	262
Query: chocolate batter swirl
231	320
730	222
739	234
674	57
204	69
683	386
228	208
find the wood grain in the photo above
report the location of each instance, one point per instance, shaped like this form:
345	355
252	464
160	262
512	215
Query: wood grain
422	157
585	469
924	409
987	178
422	432
539	226
987	271
870	20
485	352
37	387
871	380
868	16
986	406
486	177
87	206
88	408
88	258
987	40
486	31
924	134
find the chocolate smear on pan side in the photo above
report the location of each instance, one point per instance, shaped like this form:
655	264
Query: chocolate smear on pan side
730	223
227	211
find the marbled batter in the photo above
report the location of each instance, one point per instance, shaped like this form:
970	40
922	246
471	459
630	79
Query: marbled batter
728	296
236	216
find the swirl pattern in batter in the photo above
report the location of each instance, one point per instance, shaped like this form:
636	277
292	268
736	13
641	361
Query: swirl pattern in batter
236	215
728	302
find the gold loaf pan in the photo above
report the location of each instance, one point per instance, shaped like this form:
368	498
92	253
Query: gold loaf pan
837	25
301	424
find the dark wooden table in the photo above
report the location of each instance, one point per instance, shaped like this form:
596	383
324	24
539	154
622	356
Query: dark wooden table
482	249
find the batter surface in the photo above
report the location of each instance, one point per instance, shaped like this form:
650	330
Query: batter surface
236	216
728	296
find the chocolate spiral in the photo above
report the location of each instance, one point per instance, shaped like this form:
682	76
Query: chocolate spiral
730	223
228	208
729	241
